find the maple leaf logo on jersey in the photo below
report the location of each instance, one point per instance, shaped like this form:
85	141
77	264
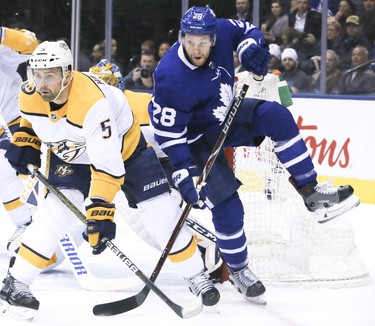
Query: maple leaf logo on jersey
226	96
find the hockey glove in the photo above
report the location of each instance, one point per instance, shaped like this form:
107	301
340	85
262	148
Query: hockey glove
24	150
253	53
100	225
184	180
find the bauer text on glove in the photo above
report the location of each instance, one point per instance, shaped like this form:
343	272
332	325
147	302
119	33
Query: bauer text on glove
254	55
184	180
99	216
24	150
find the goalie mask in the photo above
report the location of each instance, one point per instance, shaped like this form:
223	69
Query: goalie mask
53	55
198	21
108	72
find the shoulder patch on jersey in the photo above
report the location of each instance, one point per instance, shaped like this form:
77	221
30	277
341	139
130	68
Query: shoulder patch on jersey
28	88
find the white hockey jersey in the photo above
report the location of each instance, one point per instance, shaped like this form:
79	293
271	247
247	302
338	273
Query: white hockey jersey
95	126
15	47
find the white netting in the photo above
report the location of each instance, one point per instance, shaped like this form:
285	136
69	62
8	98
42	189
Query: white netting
286	244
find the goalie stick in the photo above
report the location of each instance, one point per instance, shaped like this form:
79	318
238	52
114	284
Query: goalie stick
187	311
83	275
127	304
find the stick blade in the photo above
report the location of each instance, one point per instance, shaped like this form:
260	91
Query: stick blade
121	306
190	310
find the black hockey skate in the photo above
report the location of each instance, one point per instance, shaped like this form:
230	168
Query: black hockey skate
201	284
326	200
16	300
248	285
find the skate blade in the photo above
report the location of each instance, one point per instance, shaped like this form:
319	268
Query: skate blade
336	210
260	299
215	309
11	312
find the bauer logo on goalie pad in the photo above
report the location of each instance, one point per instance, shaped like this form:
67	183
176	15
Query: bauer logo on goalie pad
155	184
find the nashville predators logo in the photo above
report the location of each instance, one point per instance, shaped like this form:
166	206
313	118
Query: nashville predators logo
68	150
63	170
28	88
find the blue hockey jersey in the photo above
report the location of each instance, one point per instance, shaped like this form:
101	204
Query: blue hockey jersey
189	101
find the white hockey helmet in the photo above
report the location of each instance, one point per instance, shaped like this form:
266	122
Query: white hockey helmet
52	54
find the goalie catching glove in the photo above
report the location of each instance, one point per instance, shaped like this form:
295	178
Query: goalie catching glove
24	150
254	54
185	180
100	225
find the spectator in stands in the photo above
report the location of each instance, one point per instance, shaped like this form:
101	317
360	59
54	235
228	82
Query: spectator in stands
305	20
333	74
306	46
353	38
97	53
140	78
147	45
288	38
367	18
334	36
276	23
298	80
114	54
163	49
360	79
346	8
243	11
274	63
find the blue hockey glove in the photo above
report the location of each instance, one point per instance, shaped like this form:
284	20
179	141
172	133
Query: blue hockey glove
184	180
253	53
99	216
24	150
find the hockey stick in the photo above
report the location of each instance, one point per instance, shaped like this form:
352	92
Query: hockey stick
187	311
83	275
127	304
78	265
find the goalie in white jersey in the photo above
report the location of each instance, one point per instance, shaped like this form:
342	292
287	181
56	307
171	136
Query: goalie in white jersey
95	144
15	48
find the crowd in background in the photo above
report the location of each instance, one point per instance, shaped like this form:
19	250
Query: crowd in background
293	30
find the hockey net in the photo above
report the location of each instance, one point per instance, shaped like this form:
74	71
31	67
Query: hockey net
286	244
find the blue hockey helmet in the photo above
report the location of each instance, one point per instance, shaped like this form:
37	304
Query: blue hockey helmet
199	20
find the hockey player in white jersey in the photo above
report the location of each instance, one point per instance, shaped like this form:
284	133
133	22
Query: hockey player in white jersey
16	47
194	87
95	144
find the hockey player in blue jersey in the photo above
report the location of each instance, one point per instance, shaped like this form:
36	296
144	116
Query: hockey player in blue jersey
194	87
